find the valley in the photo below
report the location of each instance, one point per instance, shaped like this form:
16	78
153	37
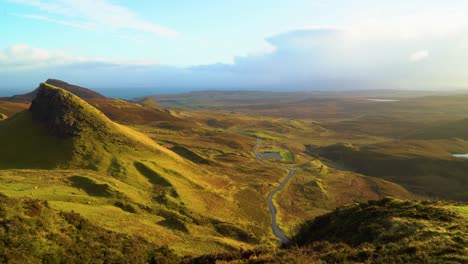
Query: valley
212	173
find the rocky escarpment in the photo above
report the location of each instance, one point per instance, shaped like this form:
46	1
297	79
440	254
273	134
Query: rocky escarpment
64	114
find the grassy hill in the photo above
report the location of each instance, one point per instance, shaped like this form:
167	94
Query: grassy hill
382	231
67	152
390	230
146	112
424	167
455	129
62	130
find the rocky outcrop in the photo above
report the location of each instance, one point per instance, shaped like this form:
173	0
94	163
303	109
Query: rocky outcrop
64	114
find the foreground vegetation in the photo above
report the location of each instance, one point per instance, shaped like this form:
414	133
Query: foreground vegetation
382	231
32	232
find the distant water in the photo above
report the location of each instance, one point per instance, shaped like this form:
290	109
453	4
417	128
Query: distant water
383	100
272	155
133	93
465	156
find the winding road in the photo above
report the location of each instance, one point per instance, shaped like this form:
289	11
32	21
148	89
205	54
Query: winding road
276	229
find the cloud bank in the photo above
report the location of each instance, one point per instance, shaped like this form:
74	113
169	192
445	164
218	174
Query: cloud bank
360	56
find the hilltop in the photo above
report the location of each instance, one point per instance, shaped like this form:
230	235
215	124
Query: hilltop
79	91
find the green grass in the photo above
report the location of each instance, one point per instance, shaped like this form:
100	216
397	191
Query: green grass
286	155
37	233
190	155
27	145
90	186
463	209
260	134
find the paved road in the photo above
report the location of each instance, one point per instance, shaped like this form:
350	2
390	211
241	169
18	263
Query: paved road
276	229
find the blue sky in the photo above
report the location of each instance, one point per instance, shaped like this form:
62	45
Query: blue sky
214	44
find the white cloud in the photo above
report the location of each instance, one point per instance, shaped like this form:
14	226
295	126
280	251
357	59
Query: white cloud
21	57
100	14
24	57
419	56
408	27
62	22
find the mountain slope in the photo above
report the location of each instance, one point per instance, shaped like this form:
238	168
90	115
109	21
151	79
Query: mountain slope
146	112
425	167
455	129
62	130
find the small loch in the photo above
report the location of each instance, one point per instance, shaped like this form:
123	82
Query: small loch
383	100
463	156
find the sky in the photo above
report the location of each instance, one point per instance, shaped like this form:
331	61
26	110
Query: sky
173	46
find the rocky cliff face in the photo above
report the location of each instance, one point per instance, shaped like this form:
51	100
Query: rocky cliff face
64	114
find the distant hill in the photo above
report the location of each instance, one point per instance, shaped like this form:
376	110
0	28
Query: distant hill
81	92
146	112
149	102
424	167
455	129
9	108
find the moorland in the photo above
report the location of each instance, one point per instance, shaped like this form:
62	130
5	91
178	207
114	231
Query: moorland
176	177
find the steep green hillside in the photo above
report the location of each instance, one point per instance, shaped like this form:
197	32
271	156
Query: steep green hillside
61	130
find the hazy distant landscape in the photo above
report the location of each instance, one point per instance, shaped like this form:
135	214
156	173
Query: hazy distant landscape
180	171
302	131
